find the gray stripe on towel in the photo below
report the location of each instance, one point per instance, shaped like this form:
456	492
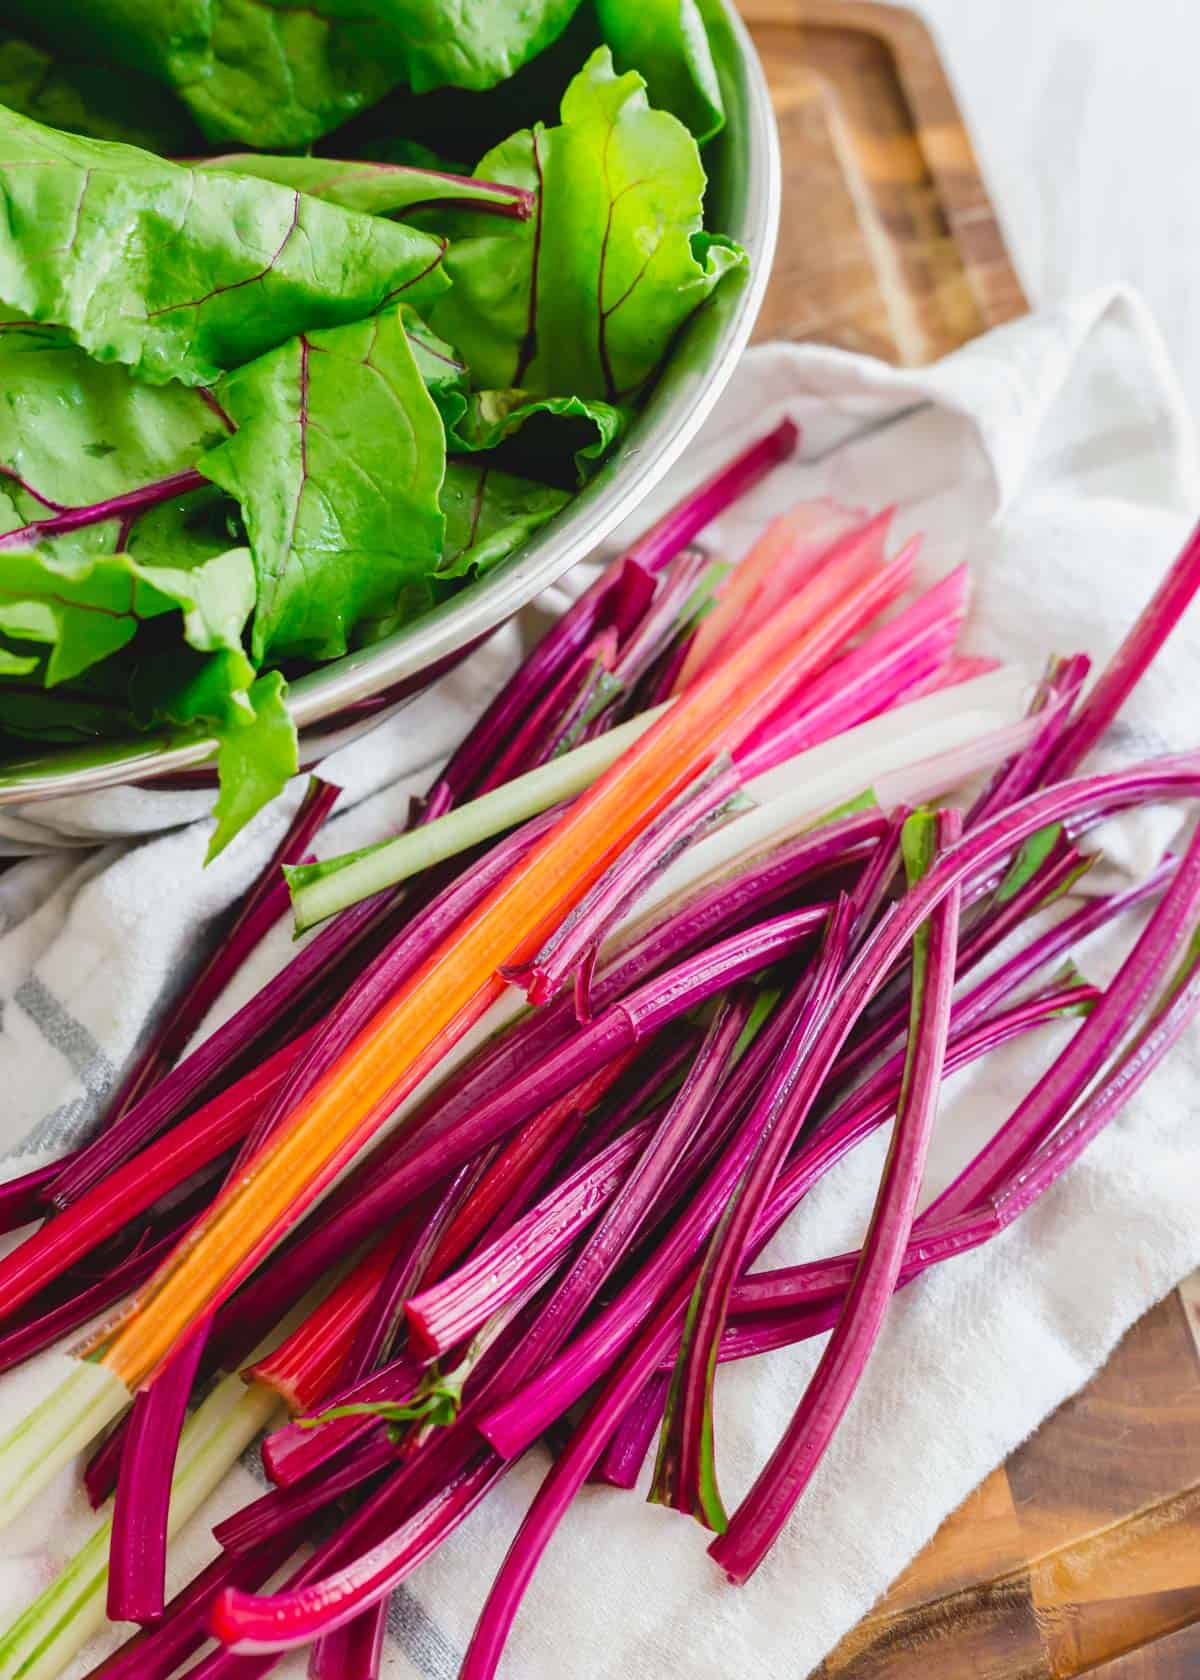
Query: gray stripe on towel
71	1121
420	1638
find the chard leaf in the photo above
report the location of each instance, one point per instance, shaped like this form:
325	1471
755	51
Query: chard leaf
13	664
182	274
83	607
257	756
74	431
667	41
488	515
256	739
584	298
167	39
337	462
270	75
187	530
63	716
373	188
480	420
490	417
469	43
276	75
91	99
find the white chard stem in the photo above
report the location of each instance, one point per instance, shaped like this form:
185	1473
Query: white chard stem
71	1611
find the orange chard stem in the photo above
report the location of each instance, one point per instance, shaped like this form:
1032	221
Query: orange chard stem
460	980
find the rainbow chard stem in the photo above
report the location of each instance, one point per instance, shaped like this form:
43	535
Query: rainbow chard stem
685	1474
713	799
1056	695
833	1383
59	1623
261	907
1129	664
1051	1098
140	1520
619	598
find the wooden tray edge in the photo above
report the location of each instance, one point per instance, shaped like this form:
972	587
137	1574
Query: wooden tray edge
940	132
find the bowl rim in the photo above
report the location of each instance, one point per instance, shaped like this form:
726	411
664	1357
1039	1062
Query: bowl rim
688	389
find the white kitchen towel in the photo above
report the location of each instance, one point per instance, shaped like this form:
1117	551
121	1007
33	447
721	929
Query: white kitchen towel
1054	455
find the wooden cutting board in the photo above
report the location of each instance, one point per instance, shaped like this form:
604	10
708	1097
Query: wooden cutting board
1082	1553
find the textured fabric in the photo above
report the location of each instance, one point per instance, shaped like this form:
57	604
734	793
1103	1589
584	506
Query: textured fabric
1055	457
1076	109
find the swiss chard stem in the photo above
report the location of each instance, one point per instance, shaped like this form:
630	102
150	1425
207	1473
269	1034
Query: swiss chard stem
57	1625
320	890
684	1476
1130	662
837	1375
262	906
98	513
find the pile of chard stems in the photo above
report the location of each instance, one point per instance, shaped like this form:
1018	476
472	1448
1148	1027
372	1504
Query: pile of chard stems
692	923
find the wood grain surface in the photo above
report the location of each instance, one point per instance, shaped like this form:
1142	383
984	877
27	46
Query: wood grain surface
1081	1555
888	243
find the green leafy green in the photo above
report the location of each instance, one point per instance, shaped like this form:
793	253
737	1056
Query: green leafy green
187	529
470	43
85	607
250	70
14	664
91	99
482	420
667	42
79	713
337	463
490	417
276	74
585	297
181	274
75	431
256	739
372	437
489	514
106	629
257	756
370	187
280	75
167	39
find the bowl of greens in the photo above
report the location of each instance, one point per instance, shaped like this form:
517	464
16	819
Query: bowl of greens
356	334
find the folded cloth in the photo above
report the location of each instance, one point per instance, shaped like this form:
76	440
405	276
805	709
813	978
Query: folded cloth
1055	456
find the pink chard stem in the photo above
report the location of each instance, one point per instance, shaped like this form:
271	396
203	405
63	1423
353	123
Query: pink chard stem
790	1468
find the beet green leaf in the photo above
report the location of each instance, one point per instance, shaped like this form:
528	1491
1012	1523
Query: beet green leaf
666	40
489	514
92	99
370	187
256	739
337	463
182	274
276	74
249	70
482	420
82	608
74	431
584	298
